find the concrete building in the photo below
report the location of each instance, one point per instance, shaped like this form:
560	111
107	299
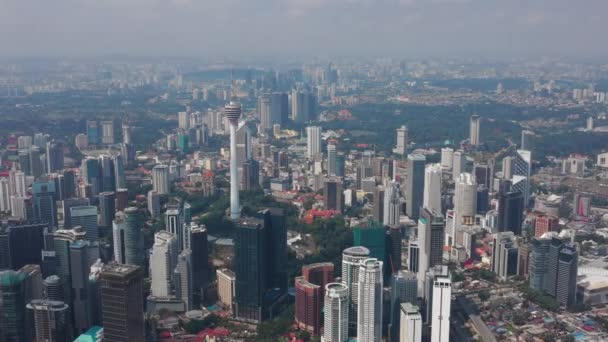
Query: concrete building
442	297
313	141
369	306
402	140
225	286
391	203
414	195
351	260
410	329
336	313
432	187
474	130
160	179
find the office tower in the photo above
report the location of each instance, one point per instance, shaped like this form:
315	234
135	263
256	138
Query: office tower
250	269
122	303
83	254
538	262
200	262
251	175
20	184
22	244
415	185
391	204
119	171
505	255
126	133
12	306
163	258
174	224
567	271
35	162
266	112
507	167
351	259
69	184
447	158
183	279
313	141
369	306
5	195
91	171
24	162
474	130
378	202
122	199
465	200
432	187
404	288
372	236
331	159
108	182
85	217
276	232
160	179
336	312
413	255
183	121
233	113
430	242
510	212
552	262
107	209
153	204
50	321
410	329
44	202
527	140
62	239
183	143
53	288
128	237
40	139
309	295
394	248
24	141
522	166
226	282
81	141
483	175
54	156
332	192
303	106
67	205
442	297
402	137
107	132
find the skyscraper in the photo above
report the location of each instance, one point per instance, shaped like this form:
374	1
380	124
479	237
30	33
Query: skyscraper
447	158
12	306
160	179
331	159
303	106
415	185
233	113
351	259
404	289
122	303
310	288
313	141
510	212
35	162
200	262
153	203
522	167
567	271
163	258
474	130
465	205
83	254
128	239
336	313
174	224
107	209
430	241
369	306
183	279
91	171
119	171
379	198
538	262
527	140
432	187
371	235
332	191
442	297
392	205
51	320
85	217
251	175
44	202
505	256
108	182
410	329
402	136
54	156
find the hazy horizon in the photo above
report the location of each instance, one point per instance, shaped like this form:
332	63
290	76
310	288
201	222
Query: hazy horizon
304	28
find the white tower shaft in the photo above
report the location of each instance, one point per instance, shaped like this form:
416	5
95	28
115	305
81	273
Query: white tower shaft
235	208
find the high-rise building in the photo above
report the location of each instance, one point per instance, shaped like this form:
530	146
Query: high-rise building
122	306
413	255
22	244
447	158
336	313
510	212
5	195
119	171
394	248
174	224
415	185
183	279
108	182
331	159
265	112
369	306
392	205
402	137
107	132
505	255
44	202
107	209
128	239
410	328
163	258
538	262
51	320
567	271
430	242
24	141
432	187
371	235
474	130
24	162
522	167
544	224
53	288
310	289
527	140
332	191
85	217
404	289
54	156
465	205
91	171
507	167
12	306
379	198
200	262
35	162
441	300
83	254
303	106
226	283
233	113
122	199
153	203
160	179
313	141
351	259
251	175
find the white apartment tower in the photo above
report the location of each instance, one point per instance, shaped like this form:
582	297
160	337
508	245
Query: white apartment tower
313	141
432	187
369	318
336	313
160	179
402	136
410	324
474	126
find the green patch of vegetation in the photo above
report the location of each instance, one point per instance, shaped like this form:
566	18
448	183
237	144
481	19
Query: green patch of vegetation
539	297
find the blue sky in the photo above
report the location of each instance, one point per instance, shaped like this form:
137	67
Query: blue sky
305	28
